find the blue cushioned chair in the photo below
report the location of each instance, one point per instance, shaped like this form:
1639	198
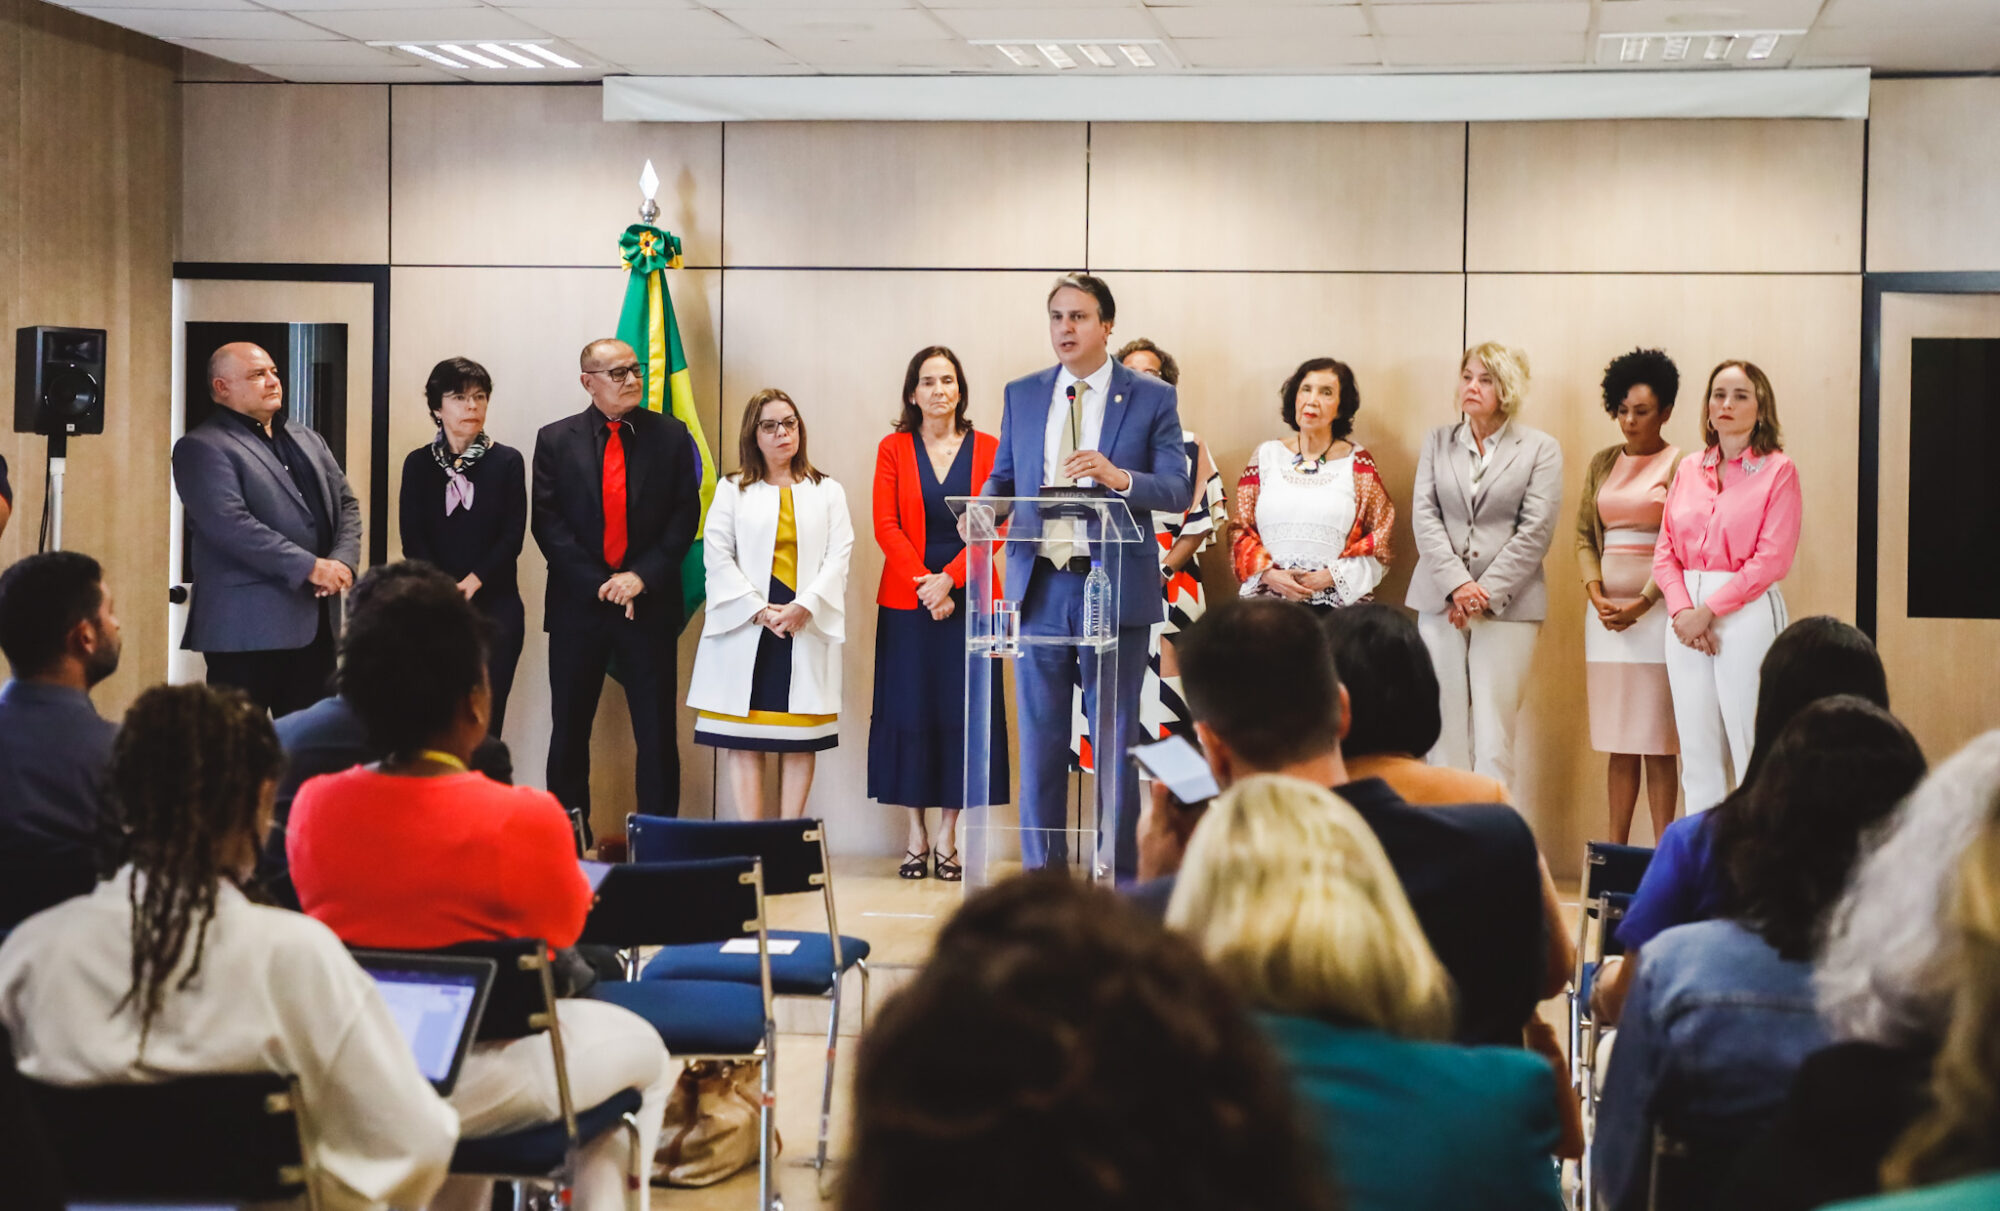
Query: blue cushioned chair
795	863
230	1139
1611	874
522	1003
685	904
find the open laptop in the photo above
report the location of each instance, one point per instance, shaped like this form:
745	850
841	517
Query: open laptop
437	1001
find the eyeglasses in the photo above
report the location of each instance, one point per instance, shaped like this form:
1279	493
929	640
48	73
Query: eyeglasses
618	374
774	427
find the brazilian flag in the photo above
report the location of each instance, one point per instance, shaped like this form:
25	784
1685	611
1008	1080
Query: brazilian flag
647	324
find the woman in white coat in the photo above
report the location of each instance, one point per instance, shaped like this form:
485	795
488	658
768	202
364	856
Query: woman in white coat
767	672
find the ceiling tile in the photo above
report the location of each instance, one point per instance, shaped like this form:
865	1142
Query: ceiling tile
417	25
1105	23
1667	16
1971	49
665	24
1272	54
336	53
690	58
413	73
1510	19
1903	14
988	4
1282	24
1161	6
308	7
842	55
828	22
736	5
1485	50
185	23
236	5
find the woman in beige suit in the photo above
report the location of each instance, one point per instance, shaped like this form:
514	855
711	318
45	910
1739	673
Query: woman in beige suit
1484	510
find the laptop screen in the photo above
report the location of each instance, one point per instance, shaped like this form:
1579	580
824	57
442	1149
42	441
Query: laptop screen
434	1010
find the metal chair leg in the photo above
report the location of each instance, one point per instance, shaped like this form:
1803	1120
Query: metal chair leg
637	1172
826	1083
861	965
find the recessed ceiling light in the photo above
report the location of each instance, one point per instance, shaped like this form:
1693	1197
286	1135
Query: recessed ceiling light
536	48
1762	46
1056	55
512	56
1676	48
462	53
1096	54
1135	55
1719	47
425	52
1018	54
1633	50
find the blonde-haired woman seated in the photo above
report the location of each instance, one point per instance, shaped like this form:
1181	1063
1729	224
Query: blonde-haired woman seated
1289	895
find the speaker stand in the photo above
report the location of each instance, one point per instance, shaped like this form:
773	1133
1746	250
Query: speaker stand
52	514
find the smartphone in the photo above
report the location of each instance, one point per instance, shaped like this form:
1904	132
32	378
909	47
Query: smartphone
1181	767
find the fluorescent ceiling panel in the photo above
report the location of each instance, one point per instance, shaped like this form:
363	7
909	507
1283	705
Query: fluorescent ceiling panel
258	25
637	25
1260	21
418	25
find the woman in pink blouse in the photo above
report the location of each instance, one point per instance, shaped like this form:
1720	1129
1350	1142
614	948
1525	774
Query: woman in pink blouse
1730	531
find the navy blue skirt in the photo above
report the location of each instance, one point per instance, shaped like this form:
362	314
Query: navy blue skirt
916	739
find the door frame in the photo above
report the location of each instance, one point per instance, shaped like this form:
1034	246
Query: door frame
1869	488
377	277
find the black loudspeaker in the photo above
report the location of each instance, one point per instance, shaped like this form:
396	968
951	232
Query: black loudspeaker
59	381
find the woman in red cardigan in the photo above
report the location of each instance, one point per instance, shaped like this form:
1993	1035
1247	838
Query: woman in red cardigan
916	738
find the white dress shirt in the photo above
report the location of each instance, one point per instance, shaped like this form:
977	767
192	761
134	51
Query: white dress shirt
277	992
1093	402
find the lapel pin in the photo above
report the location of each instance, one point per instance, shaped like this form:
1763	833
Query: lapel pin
1117	399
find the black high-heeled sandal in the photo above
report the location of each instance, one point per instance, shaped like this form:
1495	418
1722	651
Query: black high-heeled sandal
948	869
918	866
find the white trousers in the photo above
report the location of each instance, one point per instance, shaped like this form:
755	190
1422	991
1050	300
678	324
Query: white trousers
508	1085
1715	697
1482	674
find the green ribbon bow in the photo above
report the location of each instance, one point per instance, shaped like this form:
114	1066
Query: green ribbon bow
646	249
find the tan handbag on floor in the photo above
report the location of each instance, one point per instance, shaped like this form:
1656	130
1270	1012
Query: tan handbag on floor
711	1131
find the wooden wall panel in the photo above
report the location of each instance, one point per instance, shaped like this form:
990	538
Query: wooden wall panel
943	195
1803	331
526	326
285	173
89	139
1277	196
821	338
533	175
1934	175
1665	197
1940	669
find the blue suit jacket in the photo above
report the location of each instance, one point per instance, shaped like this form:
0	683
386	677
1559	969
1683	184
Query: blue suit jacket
1141	435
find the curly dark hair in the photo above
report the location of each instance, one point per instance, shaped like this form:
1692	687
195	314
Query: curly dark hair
1838	769
410	657
187	773
1170	370
1350	395
1651	367
1113	1070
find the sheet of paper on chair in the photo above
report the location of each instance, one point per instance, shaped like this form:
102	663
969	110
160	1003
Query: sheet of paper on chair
748	946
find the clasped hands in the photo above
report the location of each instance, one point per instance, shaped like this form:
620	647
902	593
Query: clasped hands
1468	601
622	589
1614	616
1695	628
1294	585
934	594
783	621
329	577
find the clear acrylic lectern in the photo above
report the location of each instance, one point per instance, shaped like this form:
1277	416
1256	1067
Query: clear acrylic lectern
1102	528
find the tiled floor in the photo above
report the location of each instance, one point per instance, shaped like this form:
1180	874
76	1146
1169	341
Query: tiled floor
900	918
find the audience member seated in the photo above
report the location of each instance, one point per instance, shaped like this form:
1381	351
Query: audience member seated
1884	983
1165	826
1721	1011
1949	1160
1471	871
419	852
1814	658
328	737
60	638
1059	1050
1287	893
168	970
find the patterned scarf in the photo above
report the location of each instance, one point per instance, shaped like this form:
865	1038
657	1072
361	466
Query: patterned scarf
457	488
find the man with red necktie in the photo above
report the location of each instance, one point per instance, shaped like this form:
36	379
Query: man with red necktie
615	508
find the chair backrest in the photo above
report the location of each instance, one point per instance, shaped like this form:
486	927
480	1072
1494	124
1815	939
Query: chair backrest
520	1001
222	1138
675	903
1608	868
793	851
1616	904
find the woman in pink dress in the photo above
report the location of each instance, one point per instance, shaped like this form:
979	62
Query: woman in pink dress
1624	636
1728	537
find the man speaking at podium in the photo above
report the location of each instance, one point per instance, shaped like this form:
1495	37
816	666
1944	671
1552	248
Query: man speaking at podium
1087	422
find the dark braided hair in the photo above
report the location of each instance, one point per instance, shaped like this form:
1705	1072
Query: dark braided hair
1113	1070
187	774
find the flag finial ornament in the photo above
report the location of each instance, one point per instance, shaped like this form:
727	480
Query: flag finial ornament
649	185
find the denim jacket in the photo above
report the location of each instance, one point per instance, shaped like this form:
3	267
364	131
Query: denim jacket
1714	1028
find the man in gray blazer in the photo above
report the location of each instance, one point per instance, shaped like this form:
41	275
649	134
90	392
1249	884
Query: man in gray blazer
276	537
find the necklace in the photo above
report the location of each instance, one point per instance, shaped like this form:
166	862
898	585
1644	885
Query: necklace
1299	461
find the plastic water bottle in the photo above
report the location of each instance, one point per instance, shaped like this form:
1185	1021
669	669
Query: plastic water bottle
1099	627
